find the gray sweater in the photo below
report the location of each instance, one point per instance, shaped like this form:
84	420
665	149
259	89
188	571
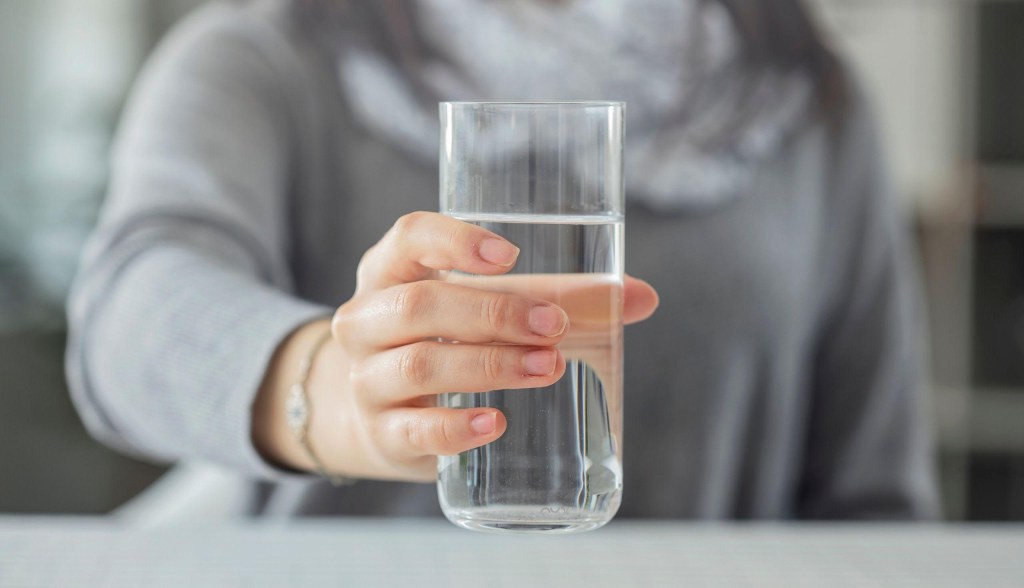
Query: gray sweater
778	380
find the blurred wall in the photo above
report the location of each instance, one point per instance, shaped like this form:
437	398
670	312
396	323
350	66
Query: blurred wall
65	66
947	80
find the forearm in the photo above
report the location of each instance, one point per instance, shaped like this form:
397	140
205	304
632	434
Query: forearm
168	347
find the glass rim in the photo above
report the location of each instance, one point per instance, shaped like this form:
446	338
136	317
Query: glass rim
536	103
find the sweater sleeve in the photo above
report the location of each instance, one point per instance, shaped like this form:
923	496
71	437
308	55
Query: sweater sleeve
869	452
184	291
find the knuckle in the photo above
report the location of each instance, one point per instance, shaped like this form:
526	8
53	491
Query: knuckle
497	311
412	299
426	435
415	365
460	236
407	223
397	437
343	322
365	267
492	363
430	436
447	436
387	431
412	432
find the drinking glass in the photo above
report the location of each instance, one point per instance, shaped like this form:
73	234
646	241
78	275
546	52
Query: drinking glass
547	176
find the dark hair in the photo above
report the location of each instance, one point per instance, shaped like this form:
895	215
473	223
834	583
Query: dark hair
781	33
776	33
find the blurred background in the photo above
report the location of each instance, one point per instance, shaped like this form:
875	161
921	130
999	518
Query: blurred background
946	77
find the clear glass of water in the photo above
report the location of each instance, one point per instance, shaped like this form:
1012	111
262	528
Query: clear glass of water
547	176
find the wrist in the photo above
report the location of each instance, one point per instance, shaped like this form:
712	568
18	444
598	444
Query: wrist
272	435
331	419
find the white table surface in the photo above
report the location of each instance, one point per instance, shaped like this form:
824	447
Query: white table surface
41	551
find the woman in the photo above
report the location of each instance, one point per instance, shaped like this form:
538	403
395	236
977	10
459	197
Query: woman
270	144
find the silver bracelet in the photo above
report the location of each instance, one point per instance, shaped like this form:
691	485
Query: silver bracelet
299	410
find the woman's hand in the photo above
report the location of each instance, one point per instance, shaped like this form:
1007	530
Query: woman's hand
373	390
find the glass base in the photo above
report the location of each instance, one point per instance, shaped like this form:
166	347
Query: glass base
526	520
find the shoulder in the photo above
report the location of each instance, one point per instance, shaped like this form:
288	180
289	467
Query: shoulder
229	43
266	26
229	64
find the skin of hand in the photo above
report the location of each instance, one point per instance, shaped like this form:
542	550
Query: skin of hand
373	386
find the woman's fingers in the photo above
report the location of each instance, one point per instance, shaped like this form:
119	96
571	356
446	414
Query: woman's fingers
407	313
431	309
641	300
420	432
421	243
424	368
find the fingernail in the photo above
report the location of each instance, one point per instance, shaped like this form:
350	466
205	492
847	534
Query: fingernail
541	362
484	423
547	320
498	252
